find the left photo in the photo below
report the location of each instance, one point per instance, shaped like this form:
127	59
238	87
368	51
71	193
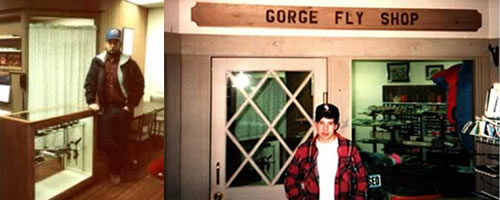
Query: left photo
81	99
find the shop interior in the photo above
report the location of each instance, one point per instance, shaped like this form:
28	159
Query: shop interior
410	129
48	134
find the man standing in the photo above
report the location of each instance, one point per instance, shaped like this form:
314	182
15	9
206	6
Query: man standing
114	86
327	166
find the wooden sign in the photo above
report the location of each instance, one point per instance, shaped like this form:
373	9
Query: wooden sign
238	15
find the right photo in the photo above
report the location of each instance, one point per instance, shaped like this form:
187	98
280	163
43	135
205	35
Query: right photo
377	100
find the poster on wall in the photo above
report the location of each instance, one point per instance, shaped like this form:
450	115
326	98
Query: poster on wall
430	70
398	72
128	41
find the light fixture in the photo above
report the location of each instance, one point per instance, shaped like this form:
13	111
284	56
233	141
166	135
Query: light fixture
241	80
145	2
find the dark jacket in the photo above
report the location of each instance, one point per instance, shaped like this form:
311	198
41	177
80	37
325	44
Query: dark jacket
130	79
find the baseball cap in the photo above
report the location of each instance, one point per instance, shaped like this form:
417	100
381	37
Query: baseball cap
114	33
328	111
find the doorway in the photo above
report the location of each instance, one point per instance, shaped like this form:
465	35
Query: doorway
262	109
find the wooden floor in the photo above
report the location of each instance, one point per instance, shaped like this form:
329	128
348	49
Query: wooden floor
137	184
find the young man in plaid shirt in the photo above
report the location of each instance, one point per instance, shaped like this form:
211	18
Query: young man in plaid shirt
327	166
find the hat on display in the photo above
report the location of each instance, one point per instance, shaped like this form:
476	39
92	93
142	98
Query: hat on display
328	111
114	33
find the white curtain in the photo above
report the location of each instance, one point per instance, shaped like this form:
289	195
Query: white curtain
59	58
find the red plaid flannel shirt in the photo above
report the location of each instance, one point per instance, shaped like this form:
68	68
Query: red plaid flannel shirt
301	177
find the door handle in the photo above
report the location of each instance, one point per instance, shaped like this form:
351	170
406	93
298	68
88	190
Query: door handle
217	174
218	196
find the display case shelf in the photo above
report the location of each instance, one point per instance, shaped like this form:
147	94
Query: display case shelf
487	140
487	171
411	103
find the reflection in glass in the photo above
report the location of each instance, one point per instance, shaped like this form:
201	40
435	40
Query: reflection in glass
270	157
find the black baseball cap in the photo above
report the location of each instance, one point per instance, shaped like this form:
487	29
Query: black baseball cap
328	111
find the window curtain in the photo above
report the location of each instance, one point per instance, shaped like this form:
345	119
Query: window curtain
59	58
271	98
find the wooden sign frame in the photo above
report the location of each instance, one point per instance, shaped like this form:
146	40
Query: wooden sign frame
306	17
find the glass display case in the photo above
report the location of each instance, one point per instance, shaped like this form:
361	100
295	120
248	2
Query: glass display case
46	154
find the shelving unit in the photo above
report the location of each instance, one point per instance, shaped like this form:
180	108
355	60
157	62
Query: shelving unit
427	118
486	132
425	157
11	62
486	152
431	155
408	123
10	53
383	131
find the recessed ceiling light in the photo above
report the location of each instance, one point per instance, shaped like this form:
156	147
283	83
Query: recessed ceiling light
145	2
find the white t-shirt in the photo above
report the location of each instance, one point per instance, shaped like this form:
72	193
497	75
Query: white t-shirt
328	160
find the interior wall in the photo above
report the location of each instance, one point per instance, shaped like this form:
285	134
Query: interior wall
120	14
493	16
188	137
172	16
368	77
195	107
494	78
154	64
172	116
172	43
484	80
